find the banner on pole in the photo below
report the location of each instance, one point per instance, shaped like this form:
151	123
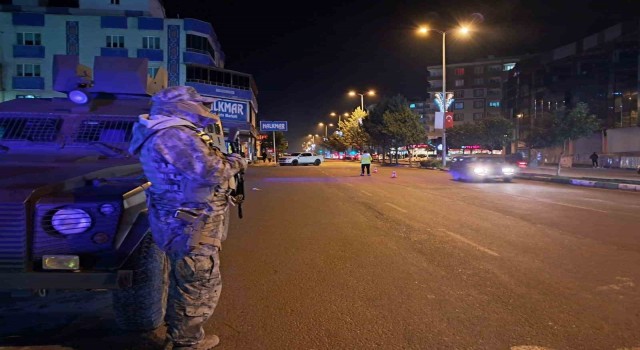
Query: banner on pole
448	120
443	120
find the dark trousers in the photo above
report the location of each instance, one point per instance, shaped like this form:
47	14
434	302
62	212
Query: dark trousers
367	166
594	162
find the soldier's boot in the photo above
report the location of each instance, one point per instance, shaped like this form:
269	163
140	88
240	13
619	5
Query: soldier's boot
209	342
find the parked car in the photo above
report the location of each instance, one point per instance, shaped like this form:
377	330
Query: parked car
419	157
518	159
481	168
301	158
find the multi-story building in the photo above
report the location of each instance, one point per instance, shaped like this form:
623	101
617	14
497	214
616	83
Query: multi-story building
476	88
33	31
421	108
600	69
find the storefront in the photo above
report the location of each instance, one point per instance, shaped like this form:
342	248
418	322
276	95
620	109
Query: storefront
237	109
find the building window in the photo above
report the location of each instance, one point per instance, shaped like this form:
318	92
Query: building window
478	81
215	76
115	2
493	92
459	82
478	92
115	41
477	116
151	42
28	70
200	44
478	104
458	105
459	71
29	39
458	117
495	68
508	66
495	81
152	71
494	103
478	70
458	93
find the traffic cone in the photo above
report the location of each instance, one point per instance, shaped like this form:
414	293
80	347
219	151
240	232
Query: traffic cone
375	169
393	175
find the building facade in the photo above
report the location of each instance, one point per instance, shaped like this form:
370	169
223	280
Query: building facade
600	69
476	87
33	31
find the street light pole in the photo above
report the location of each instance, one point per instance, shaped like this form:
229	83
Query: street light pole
444	100
425	30
370	92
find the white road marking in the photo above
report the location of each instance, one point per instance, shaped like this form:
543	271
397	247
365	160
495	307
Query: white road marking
529	347
396	207
559	203
477	246
367	193
621	283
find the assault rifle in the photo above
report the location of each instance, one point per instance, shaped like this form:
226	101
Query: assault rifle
237	193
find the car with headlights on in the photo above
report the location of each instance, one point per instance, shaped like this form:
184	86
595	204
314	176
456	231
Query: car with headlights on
477	168
73	211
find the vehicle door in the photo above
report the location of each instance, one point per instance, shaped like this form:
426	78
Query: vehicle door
306	158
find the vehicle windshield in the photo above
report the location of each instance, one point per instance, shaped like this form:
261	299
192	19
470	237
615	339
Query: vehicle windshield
295	154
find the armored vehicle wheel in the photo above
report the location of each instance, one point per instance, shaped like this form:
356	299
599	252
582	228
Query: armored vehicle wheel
317	162
142	306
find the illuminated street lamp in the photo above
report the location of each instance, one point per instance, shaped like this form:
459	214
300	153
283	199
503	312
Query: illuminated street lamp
326	126
423	31
333	114
313	138
370	93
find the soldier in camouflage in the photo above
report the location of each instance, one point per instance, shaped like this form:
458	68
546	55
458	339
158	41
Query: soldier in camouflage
188	177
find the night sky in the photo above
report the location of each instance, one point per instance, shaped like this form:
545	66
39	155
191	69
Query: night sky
305	59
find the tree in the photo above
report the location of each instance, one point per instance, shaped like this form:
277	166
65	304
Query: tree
353	133
335	142
403	125
373	125
464	135
566	125
280	141
496	133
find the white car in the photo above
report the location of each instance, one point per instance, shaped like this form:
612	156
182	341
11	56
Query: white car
304	158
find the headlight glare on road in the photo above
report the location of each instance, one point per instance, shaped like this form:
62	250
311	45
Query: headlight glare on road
71	221
480	170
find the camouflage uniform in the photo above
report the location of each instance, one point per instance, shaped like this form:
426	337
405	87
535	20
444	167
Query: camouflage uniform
186	173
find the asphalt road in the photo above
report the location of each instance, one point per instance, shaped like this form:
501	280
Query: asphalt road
327	259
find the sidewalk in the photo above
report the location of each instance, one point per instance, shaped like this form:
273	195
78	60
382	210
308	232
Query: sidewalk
619	179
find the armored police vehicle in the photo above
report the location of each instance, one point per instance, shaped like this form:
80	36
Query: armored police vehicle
72	201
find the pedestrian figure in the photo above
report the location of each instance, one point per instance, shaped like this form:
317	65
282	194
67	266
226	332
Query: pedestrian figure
188	206
365	163
264	156
594	160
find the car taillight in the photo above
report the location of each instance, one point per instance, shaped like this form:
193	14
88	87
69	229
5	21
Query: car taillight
522	164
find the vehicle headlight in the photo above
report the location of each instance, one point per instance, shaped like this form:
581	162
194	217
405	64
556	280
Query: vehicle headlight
71	221
508	170
479	170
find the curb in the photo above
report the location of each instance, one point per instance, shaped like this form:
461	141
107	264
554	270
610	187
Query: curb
610	185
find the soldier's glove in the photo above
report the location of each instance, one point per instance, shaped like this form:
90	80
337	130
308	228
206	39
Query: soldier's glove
239	158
